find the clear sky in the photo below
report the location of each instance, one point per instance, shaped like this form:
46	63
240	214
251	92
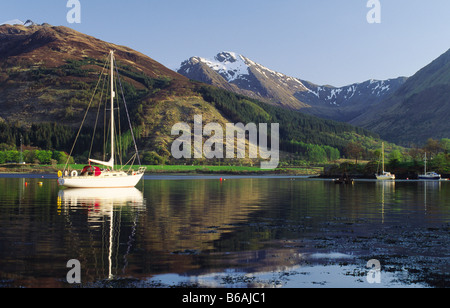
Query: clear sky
322	41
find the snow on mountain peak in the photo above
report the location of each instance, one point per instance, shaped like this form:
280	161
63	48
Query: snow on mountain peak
14	22
235	68
228	64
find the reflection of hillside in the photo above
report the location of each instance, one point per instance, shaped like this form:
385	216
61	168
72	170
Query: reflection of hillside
200	226
190	215
194	226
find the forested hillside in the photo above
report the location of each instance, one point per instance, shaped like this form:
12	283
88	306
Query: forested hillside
49	75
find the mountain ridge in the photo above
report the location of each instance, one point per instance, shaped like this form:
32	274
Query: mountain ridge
14	22
404	110
336	103
348	102
244	76
418	110
48	75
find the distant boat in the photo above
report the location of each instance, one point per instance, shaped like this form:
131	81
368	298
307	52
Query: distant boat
344	179
384	175
107	177
428	175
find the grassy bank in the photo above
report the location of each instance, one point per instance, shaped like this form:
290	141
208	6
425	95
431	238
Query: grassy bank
172	169
232	170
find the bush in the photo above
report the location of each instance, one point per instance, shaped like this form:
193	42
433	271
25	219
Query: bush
44	157
153	158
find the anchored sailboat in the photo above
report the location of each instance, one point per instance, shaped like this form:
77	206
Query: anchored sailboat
96	177
384	175
429	175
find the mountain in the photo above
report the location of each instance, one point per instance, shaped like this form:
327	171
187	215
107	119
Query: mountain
239	74
42	67
14	22
48	75
418	110
346	103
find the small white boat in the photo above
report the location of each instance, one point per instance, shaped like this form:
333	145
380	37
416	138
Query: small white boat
384	175
429	175
108	177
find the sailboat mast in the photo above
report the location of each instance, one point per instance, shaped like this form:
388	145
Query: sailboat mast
382	150
112	109
425	160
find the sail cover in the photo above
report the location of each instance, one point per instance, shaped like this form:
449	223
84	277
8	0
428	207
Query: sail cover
89	170
103	163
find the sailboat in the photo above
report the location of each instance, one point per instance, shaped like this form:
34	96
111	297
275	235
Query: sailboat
384	175
429	175
106	177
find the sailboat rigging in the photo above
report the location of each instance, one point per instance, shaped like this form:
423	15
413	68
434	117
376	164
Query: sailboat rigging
109	177
384	175
428	175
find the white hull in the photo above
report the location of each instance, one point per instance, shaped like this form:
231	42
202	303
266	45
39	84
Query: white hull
384	177
102	181
435	177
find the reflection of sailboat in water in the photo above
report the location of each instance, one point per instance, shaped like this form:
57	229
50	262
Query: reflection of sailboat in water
104	203
429	186
386	187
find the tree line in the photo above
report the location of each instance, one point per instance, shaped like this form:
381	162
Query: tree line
48	136
293	125
432	148
34	156
309	137
406	163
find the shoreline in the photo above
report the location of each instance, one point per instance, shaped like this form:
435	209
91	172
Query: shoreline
312	172
173	170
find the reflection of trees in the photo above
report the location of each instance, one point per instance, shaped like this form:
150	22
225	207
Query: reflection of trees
404	198
239	218
197	225
187	214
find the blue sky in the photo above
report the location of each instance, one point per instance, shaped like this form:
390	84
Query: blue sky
322	41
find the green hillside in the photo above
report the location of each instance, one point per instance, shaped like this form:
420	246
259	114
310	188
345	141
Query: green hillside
418	110
48	75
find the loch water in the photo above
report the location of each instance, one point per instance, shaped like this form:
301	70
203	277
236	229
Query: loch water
201	231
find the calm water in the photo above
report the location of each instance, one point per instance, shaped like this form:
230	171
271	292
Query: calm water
240	232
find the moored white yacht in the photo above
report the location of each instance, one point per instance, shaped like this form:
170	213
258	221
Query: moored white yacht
429	175
384	175
106	177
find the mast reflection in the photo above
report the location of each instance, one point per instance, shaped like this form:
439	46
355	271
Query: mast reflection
104	205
